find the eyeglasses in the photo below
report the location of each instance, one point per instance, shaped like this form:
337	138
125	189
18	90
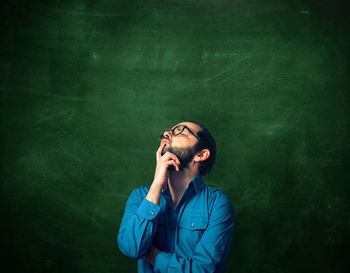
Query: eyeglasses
178	131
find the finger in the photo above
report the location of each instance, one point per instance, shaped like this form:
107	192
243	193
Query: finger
169	155
174	157
173	163
160	149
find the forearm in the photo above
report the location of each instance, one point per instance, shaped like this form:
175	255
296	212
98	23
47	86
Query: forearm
163	261
154	193
138	226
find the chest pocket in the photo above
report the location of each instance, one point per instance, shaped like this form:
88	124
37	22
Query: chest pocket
194	222
191	228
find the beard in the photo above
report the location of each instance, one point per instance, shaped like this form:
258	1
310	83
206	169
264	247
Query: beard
185	155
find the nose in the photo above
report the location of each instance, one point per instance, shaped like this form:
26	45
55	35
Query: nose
167	134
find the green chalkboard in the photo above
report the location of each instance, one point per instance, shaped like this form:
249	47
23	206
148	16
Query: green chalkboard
87	86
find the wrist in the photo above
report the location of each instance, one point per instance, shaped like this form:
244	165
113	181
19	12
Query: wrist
156	184
155	253
154	193
151	255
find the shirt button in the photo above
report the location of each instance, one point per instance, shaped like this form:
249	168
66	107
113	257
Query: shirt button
152	212
192	225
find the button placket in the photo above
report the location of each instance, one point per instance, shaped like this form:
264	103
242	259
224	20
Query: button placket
173	221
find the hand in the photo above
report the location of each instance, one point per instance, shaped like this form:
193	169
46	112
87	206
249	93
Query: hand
161	176
151	254
163	163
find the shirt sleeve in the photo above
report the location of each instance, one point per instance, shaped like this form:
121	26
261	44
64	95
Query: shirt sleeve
211	252
138	225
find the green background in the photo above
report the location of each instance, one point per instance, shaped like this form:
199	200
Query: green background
87	86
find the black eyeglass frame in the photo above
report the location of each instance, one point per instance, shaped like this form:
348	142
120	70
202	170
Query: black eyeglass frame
173	131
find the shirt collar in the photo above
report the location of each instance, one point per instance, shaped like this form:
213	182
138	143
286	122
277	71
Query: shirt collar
197	182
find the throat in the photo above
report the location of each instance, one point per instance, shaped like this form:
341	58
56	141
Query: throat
177	186
176	192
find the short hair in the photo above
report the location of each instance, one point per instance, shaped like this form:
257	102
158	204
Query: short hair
205	141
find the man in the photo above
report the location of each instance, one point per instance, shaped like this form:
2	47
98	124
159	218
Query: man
179	224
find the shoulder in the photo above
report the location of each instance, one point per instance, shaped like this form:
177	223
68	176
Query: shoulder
218	199
138	193
217	195
142	190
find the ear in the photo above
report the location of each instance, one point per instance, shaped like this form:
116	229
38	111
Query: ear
202	155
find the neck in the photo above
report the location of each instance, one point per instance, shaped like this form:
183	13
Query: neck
178	182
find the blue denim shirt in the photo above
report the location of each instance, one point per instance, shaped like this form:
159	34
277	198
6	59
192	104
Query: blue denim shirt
194	237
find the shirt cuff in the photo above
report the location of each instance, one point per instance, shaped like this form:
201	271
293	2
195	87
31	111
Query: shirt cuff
161	262
148	210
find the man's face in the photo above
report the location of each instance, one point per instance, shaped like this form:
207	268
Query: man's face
182	145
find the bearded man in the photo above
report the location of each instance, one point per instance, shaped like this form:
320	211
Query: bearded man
179	224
